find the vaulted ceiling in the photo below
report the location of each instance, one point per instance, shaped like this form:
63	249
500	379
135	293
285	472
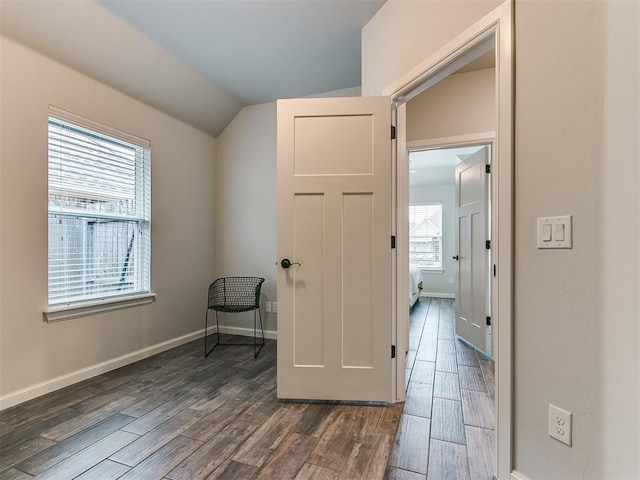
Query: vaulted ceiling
200	60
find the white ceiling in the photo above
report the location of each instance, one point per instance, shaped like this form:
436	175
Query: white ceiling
200	60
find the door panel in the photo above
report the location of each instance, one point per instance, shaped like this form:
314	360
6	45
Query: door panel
308	236
464	295
348	152
334	218
471	234
357	252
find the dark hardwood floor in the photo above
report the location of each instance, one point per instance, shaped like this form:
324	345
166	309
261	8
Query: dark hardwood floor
178	415
447	426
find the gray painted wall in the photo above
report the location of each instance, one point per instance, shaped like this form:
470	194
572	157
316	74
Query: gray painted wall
246	203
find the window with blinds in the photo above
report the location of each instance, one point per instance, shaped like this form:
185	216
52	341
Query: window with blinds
425	235
99	211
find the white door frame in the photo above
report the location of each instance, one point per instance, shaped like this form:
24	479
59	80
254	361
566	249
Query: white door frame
494	30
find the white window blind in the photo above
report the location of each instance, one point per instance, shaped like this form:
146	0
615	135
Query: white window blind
425	235
99	211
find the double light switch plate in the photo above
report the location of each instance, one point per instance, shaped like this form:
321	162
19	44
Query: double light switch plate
555	232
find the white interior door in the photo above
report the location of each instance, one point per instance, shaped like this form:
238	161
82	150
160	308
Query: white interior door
472	252
334	225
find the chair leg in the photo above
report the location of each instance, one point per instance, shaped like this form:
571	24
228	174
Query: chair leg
255	333
261	326
217	328
206	323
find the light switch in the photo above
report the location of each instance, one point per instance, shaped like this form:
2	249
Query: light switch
555	232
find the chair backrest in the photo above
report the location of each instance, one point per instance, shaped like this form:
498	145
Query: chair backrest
235	294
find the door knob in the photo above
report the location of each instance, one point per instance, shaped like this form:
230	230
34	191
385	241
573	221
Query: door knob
286	263
456	257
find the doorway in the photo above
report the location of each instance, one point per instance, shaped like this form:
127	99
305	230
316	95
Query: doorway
447	377
447	239
491	33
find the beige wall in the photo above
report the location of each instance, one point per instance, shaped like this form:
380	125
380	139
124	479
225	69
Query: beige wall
32	351
405	32
461	104
576	151
246	202
577	312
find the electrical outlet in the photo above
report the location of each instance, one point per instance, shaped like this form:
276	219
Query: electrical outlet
451	280
560	424
274	307
267	307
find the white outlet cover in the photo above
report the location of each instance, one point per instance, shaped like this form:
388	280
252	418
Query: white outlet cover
560	424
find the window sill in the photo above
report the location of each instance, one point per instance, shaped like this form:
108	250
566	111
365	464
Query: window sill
84	309
432	270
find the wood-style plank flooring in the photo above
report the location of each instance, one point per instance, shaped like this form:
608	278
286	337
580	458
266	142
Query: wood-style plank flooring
447	426
178	415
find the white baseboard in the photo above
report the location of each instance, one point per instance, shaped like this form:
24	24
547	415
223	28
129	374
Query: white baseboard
48	386
515	475
246	332
437	295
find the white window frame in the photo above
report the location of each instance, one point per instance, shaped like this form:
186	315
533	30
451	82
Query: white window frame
63	308
428	268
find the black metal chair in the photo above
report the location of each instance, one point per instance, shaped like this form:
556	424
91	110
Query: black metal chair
235	295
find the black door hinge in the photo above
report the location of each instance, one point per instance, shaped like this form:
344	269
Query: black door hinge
393	351
487	168
393	132
488	320
494	269
393	241
487	244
